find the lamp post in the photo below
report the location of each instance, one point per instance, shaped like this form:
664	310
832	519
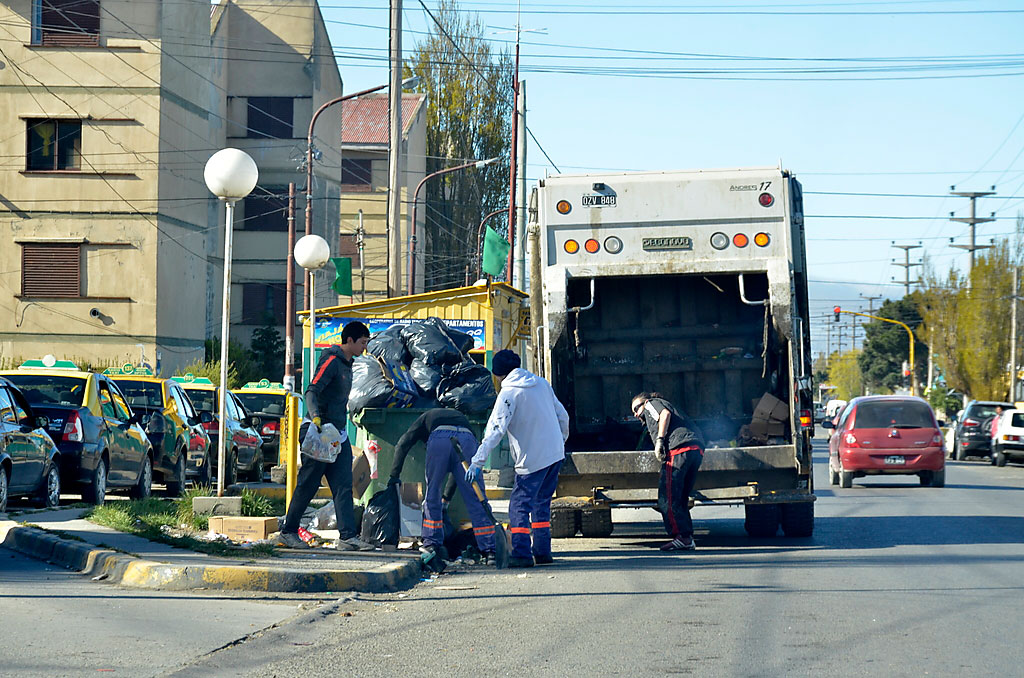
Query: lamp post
406	84
230	175
411	285
311	253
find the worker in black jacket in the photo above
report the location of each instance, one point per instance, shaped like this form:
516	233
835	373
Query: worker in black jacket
680	447
449	442
327	403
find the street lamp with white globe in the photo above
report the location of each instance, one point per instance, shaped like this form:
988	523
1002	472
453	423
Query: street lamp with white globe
311	253
230	175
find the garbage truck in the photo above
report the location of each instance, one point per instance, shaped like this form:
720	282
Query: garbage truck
692	285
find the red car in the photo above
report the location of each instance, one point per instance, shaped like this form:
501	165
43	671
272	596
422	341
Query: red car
886	435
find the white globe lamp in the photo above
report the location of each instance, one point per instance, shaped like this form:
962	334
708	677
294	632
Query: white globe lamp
311	253
230	175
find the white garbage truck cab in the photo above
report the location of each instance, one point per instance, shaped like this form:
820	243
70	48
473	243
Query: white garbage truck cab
690	284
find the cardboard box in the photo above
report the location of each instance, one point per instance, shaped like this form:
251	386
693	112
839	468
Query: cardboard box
764	429
411	512
770	408
360	473
239	528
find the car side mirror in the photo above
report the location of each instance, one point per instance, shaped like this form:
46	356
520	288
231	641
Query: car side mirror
827	424
135	418
942	423
254	421
205	418
42	421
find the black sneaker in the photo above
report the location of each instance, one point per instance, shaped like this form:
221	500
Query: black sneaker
490	560
520	562
543	560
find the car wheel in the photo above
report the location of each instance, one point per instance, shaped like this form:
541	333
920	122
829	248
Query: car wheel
204	479
49	492
939	478
925	477
3	490
256	473
231	469
845	477
176	484
96	491
144	487
999	457
833	476
961	453
762	520
797	520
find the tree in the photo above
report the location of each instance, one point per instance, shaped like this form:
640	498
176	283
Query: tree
469	107
241	366
845	374
268	351
887	346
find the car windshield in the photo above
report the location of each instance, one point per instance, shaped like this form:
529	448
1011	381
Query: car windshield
894	414
141	393
204	400
264	403
43	389
983	411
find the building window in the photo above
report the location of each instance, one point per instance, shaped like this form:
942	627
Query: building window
266	209
65	23
356	172
270	117
51	270
54	145
263	304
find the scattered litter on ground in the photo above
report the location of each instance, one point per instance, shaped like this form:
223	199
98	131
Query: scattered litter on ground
521	576
101	577
455	588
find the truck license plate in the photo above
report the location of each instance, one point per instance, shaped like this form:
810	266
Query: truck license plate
599	201
677	243
895	459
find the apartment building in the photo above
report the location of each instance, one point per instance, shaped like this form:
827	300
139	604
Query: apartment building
110	243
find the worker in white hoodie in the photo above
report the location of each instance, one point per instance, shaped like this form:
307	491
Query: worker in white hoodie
537	426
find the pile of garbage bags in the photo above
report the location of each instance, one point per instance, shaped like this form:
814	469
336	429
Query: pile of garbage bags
423	364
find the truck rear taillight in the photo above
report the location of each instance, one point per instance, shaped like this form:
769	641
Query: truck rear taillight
592	246
719	241
73	432
571	247
612	245
740	240
766	199
762	239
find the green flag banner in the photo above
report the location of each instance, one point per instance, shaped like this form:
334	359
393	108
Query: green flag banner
495	252
343	275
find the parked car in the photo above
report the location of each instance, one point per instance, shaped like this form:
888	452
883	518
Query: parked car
102	446
1009	439
886	435
172	423
973	437
266	400
29	460
245	447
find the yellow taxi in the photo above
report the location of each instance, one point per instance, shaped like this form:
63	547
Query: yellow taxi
180	443
102	446
266	400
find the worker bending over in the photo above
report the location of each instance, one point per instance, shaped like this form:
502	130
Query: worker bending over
537	427
448	437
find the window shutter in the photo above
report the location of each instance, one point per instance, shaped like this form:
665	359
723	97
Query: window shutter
51	270
67	23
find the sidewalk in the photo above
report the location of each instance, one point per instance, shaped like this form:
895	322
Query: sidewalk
129	560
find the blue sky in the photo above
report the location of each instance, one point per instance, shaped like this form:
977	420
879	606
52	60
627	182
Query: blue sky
853	131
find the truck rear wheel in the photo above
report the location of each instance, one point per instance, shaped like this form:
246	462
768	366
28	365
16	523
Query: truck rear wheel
762	520
596	522
798	519
565	522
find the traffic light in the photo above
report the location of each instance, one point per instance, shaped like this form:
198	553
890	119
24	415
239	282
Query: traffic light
836	310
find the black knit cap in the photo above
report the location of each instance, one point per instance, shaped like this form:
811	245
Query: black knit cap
504	361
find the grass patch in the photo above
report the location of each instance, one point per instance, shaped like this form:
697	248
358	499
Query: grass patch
146	518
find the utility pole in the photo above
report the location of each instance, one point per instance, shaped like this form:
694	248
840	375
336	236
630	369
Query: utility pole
361	244
519	279
840	331
289	299
395	174
906	265
1013	337
828	341
972	221
512	168
871	302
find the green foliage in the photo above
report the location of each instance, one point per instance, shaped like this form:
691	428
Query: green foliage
268	352
944	404
969	321
844	373
254	504
887	346
468	116
211	370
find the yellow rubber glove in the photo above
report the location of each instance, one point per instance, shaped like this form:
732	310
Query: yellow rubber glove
316	422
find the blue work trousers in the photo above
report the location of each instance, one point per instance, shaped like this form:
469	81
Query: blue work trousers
443	458
529	512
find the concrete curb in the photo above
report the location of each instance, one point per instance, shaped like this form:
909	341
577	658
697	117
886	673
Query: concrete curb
126	570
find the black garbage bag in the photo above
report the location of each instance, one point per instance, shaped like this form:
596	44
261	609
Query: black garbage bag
390	346
467	387
381	518
426	376
462	340
378	383
428	341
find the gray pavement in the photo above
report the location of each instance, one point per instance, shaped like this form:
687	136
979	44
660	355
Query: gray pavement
899	580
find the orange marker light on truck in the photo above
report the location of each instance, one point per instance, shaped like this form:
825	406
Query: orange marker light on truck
563	207
571	246
592	246
740	240
762	239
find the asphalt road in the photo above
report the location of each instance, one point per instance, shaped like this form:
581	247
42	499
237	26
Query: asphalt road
899	580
